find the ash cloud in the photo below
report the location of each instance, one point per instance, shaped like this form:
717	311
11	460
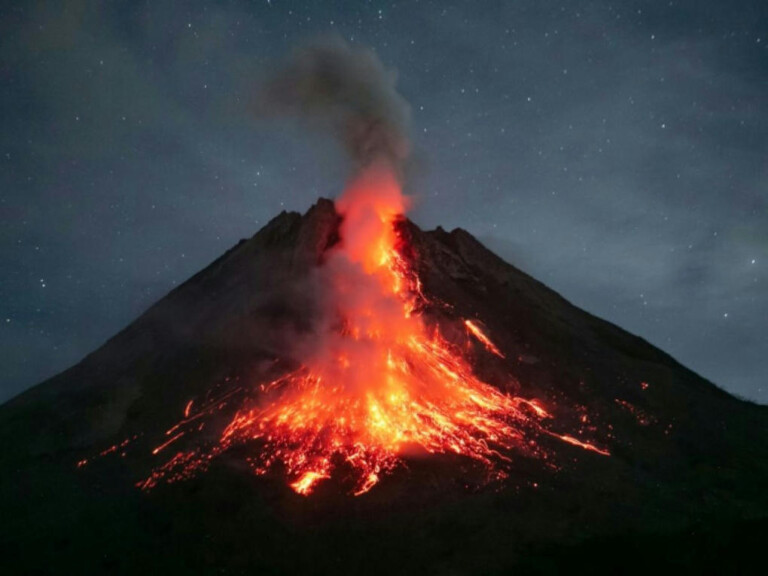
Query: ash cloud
348	91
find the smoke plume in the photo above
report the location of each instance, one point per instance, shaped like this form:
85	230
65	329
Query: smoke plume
351	93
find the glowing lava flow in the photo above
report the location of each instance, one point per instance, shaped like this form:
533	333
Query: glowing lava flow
480	335
378	384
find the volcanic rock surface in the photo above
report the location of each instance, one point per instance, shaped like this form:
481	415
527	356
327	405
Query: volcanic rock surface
684	483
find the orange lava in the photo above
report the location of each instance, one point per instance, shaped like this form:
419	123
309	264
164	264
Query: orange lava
580	444
377	384
307	480
480	335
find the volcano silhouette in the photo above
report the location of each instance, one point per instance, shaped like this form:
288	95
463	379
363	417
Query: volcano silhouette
678	477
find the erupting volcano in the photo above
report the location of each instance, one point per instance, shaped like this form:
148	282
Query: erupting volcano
347	352
377	381
347	393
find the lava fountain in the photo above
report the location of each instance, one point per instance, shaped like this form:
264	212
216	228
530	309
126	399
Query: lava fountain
378	384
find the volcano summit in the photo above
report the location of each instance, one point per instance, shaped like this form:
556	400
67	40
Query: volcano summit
346	393
376	378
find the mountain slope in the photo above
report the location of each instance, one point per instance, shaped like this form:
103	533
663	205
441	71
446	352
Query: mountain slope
685	455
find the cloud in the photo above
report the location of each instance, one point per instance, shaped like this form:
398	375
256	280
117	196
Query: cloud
347	91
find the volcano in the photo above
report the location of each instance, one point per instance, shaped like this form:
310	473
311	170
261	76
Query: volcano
347	393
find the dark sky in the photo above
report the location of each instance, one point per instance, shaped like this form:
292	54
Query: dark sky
617	151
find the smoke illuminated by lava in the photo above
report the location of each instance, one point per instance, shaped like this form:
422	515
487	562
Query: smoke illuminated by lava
378	384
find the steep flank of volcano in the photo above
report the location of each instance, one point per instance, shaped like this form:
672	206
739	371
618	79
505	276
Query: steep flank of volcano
688	463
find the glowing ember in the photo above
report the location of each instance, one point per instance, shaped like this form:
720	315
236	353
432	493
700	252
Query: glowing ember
304	484
480	335
580	444
378	384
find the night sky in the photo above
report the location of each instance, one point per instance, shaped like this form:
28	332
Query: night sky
616	151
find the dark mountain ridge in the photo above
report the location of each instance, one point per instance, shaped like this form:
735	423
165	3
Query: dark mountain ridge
688	463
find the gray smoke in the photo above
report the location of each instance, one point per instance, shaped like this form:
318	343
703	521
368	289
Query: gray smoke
351	93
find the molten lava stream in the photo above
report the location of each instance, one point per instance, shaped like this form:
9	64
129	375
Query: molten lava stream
376	381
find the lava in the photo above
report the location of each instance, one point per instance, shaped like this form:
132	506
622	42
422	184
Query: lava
480	335
580	444
304	484
378	384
